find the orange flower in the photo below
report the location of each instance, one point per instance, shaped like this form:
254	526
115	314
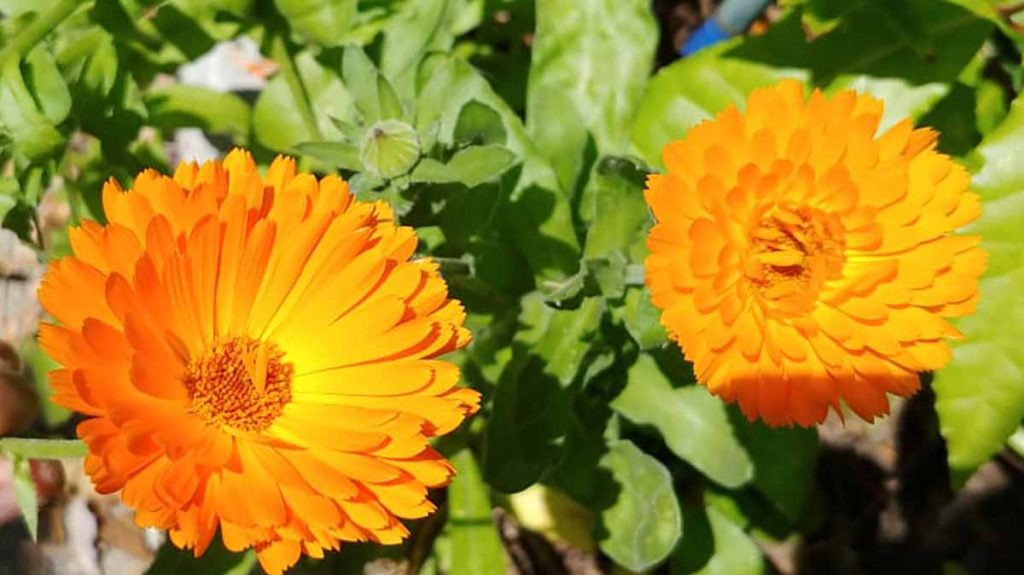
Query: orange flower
800	259
256	354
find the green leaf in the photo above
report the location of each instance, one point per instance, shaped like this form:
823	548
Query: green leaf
361	76
714	545
642	319
471	166
388	102
10	191
181	105
538	213
475	545
41	365
590	61
44	81
560	337
693	423
479	124
338	154
277	123
524	435
323	22
25	494
869	49
32	134
613	206
692	90
419	28
216	560
42	448
980	394
784	464
643	525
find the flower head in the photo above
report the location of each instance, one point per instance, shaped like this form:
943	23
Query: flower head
801	259
256	354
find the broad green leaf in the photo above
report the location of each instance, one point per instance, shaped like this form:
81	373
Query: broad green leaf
784	463
181	105
980	394
25	494
525	432
216	560
693	423
338	154
277	123
323	22
589	429
694	89
643	525
471	166
715	545
479	124
590	61
475	545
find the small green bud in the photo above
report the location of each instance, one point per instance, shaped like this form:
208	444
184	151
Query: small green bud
390	148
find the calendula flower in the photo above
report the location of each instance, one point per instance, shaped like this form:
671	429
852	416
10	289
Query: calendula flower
256	354
800	258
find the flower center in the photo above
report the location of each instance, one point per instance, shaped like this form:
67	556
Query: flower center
240	383
793	251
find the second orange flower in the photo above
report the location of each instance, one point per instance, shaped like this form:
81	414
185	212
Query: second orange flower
802	260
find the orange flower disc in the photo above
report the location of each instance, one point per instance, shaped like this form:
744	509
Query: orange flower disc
256	354
800	259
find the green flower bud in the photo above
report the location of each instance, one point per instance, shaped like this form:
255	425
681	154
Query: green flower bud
390	148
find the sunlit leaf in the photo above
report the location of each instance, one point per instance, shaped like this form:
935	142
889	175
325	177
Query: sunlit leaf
475	545
693	423
643	525
980	394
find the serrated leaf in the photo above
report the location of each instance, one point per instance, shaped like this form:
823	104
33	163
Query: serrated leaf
693	423
25	494
475	545
980	394
644	524
590	60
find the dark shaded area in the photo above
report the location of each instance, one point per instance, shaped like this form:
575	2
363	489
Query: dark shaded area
899	515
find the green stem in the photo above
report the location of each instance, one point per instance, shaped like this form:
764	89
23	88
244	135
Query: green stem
634	275
42	448
24	41
286	61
